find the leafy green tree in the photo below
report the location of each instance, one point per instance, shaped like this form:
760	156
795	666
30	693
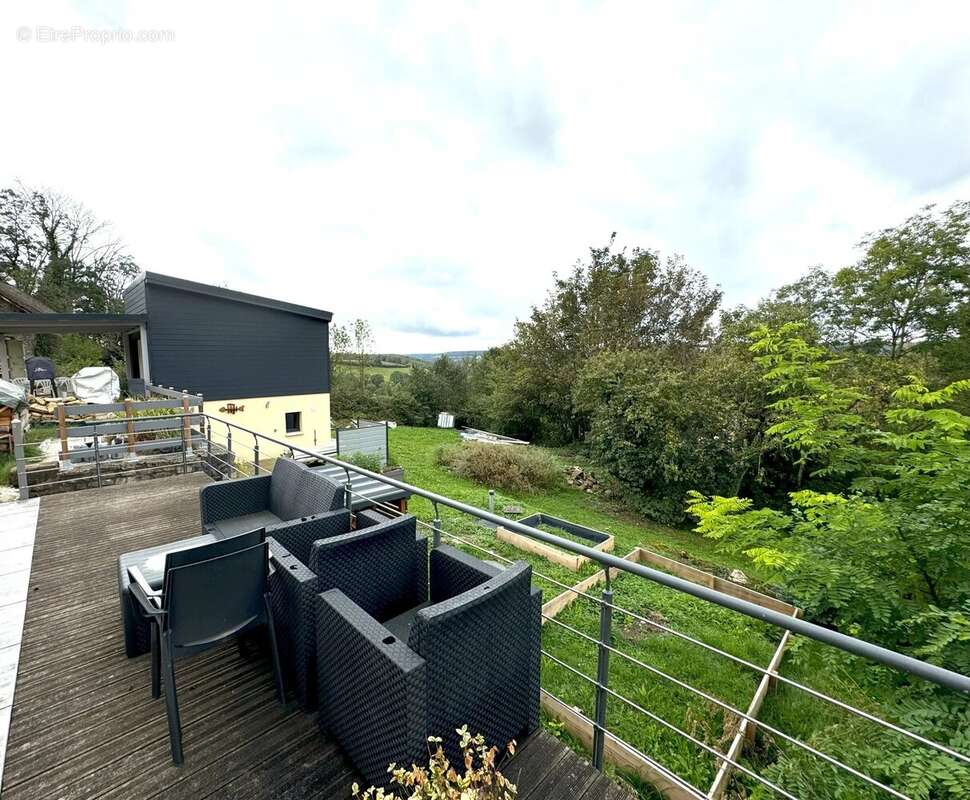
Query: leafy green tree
442	386
886	556
615	301
895	542
813	417
660	428
55	249
913	280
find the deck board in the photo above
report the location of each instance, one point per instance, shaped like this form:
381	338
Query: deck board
84	725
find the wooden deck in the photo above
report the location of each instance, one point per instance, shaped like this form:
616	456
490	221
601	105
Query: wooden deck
84	724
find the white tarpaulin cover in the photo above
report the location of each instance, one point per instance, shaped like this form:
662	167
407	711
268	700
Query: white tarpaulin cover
96	385
12	396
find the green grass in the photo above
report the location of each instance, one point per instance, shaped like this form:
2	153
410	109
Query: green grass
385	372
8	464
723	679
414	449
40	431
788	709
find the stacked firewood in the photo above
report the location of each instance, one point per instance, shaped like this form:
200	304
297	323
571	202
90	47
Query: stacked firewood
44	409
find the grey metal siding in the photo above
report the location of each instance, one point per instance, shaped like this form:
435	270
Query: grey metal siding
135	298
229	350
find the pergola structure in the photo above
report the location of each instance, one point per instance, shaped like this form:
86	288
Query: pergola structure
133	328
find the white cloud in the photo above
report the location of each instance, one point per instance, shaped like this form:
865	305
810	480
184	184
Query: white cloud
429	166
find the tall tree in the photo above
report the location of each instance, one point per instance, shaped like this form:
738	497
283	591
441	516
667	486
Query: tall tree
57	250
613	302
912	281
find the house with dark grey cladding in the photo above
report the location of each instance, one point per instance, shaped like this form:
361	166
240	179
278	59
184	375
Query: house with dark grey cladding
260	363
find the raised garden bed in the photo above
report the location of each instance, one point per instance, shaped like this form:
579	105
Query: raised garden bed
588	536
734	684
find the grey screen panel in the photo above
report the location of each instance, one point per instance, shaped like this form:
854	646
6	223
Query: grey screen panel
371	440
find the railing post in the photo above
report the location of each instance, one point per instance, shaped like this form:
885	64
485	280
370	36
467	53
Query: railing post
18	454
186	422
185	461
208	439
491	501
97	455
130	425
603	674
348	489
229	456
436	525
62	431
255	454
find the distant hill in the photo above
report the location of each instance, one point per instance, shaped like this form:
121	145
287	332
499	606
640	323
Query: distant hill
457	355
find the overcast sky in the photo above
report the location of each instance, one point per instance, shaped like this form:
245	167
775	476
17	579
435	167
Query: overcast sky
428	166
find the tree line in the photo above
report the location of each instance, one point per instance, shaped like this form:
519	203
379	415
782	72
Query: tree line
823	434
634	357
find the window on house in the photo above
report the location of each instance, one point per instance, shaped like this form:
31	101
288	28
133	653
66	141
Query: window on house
293	421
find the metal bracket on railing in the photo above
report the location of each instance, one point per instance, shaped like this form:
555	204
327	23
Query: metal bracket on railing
602	675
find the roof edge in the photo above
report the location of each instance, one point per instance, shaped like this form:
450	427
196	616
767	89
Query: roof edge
14	296
157	279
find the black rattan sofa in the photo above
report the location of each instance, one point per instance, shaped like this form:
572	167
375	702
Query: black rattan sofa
468	654
294	504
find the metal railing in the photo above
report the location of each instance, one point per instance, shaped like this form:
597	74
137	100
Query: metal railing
232	451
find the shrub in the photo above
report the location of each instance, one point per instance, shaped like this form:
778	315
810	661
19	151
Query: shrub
364	461
510	467
440	781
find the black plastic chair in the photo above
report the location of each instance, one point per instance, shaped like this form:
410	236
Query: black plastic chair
211	593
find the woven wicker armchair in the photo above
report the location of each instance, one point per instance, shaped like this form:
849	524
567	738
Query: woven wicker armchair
290	494
295	506
469	655
343	559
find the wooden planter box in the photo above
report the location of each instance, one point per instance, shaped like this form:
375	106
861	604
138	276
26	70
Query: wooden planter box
573	561
614	751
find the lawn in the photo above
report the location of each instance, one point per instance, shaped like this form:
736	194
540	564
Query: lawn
384	372
414	449
788	709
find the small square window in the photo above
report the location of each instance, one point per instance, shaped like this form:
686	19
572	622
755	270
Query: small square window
293	421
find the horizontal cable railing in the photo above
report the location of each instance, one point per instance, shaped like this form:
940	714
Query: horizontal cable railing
228	450
736	712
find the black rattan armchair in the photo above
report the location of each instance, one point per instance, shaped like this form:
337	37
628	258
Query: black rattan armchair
294	505
291	495
346	560
471	657
211	593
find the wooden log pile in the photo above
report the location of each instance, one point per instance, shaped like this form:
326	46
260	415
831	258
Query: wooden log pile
44	409
6	435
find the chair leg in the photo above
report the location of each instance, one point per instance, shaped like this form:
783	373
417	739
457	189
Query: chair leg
171	700
277	670
156	662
